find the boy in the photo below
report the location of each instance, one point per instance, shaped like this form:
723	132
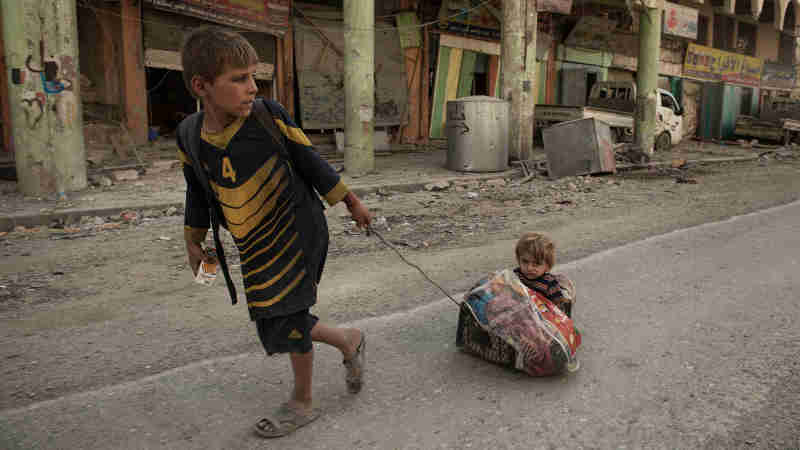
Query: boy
536	256
266	199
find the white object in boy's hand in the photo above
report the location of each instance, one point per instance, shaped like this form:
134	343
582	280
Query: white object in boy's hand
206	272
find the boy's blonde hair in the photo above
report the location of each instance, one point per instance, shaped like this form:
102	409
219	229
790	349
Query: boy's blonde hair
538	247
209	51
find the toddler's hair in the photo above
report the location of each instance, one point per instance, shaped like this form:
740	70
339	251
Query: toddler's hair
538	247
209	51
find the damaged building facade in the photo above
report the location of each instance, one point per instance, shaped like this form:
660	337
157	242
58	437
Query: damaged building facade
721	59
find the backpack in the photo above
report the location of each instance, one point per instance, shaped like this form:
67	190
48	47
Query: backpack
189	132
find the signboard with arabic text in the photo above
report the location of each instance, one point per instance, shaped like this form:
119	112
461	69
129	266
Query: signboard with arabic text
710	64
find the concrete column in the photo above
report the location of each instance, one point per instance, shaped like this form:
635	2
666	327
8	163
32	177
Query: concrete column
518	59
134	80
41	43
647	79
359	86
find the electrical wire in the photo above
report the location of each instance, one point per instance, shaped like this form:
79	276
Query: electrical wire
87	5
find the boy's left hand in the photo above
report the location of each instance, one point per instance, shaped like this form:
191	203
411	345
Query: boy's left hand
358	211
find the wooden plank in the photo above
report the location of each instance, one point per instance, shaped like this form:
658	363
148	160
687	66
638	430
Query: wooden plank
288	70
426	101
439	89
475	45
453	74
492	74
467	75
413	57
280	76
134	84
451	84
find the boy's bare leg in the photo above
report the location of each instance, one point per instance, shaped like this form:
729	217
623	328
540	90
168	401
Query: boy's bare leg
303	368
345	339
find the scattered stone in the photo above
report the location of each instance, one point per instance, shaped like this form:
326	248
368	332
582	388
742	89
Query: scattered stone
437	186
460	188
610	182
110	226
496	182
152	214
472	195
380	223
125	175
383	192
129	216
678	162
171	211
163	165
19	229
3	233
164	238
512	203
100	180
99	221
572	187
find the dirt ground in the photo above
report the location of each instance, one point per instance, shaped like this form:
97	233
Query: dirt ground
114	301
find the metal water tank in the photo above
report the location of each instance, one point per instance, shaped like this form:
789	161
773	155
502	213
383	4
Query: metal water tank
477	134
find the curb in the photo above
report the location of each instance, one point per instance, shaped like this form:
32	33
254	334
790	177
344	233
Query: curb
7	223
626	167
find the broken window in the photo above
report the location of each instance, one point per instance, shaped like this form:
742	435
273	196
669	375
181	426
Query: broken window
786	49
746	39
723	32
702	30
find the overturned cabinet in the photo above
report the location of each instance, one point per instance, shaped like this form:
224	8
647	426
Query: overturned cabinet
579	147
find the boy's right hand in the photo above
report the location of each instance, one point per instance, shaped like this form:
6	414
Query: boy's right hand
196	255
194	249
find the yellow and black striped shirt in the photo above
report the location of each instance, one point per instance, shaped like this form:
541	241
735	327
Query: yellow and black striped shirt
270	208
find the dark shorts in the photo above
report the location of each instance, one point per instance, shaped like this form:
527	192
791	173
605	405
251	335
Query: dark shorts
287	334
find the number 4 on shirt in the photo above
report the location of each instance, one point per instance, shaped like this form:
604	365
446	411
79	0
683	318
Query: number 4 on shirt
227	170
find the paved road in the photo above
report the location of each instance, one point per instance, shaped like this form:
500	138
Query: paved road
690	340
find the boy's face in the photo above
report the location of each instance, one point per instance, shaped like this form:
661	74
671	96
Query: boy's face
230	95
530	268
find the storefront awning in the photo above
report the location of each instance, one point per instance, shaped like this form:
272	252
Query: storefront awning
266	16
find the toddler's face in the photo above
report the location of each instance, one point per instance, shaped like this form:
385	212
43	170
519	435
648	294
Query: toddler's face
530	268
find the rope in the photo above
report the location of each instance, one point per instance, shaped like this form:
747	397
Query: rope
371	230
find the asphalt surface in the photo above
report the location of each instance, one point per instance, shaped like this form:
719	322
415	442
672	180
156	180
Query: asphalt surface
690	341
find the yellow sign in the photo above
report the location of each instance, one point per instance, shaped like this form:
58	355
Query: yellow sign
707	63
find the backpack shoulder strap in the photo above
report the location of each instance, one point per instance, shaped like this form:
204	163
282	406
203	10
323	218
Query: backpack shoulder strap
189	131
264	115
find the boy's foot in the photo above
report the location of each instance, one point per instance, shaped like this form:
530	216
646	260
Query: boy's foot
355	367
284	421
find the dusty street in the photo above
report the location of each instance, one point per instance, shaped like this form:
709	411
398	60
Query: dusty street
82	311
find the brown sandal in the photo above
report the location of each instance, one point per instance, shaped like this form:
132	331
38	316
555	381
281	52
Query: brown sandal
285	421
355	367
